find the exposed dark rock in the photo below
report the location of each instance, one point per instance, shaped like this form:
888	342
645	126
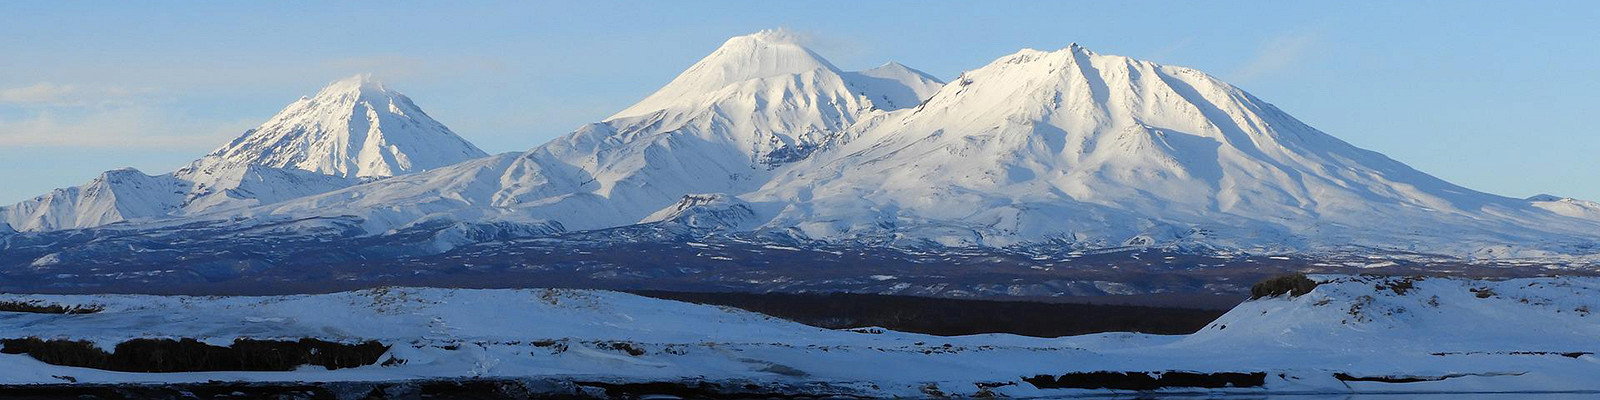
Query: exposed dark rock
1148	380
1567	354
939	316
624	347
189	355
43	308
1399	285
1408	378
1295	285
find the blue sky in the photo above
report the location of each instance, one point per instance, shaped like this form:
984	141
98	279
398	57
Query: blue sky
1495	96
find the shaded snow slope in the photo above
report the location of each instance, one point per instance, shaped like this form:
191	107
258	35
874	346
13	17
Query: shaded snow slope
130	195
114	196
896	86
1568	206
1438	334
352	129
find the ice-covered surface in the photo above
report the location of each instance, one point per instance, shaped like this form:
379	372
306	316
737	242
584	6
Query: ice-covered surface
1451	334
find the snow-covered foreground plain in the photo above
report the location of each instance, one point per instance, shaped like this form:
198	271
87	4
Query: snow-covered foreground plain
1348	335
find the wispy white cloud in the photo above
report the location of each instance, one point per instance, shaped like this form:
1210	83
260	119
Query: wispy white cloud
1277	54
133	127
52	94
1166	52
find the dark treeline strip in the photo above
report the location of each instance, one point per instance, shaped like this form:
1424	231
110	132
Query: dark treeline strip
1148	380
43	308
189	355
944	316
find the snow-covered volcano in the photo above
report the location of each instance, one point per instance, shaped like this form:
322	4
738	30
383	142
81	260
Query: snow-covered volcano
1065	146
754	105
1105	150
354	127
352	130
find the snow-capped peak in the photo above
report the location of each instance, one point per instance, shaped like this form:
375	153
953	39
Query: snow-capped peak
354	127
894	86
1107	150
764	54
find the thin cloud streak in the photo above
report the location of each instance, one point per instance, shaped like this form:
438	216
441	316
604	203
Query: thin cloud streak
1277	54
125	127
58	95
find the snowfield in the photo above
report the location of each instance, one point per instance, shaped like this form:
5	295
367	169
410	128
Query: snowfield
1351	334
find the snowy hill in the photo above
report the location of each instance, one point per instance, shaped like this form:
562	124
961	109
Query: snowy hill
1347	335
1568	206
353	129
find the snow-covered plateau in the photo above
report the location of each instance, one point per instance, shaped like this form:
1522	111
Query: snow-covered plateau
1349	334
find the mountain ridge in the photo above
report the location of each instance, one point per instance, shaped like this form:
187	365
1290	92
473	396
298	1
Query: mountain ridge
1066	145
764	137
777	102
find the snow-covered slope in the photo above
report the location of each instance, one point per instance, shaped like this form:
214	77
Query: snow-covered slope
1348	335
1452	315
757	103
895	86
1106	150
1567	206
353	129
114	196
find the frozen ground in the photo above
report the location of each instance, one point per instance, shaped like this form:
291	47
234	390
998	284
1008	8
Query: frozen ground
1349	335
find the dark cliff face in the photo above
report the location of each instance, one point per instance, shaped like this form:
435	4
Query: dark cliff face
1294	285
